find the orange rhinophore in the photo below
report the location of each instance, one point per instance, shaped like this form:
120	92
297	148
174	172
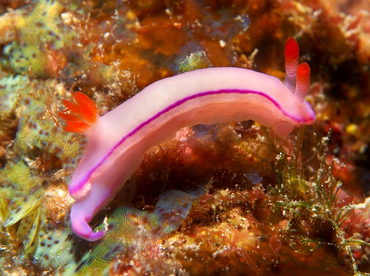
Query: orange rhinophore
297	77
291	55
79	116
303	80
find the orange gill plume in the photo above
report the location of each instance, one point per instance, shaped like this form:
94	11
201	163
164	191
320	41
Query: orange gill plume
79	116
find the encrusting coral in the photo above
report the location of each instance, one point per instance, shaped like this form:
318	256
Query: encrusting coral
235	198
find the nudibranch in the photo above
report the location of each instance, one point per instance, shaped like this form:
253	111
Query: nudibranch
118	140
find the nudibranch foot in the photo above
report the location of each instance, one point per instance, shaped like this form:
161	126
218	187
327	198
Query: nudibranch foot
81	227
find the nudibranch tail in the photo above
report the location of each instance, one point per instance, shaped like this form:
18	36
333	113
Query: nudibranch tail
79	116
303	80
291	55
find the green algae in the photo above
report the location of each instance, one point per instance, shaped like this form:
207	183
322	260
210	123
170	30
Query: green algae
39	148
310	201
10	88
197	60
36	132
41	34
129	227
55	245
129	230
26	191
24	199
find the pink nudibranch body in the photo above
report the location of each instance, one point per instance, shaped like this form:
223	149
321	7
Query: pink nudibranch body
118	140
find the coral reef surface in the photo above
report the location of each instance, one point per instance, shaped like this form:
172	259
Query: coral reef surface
225	199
